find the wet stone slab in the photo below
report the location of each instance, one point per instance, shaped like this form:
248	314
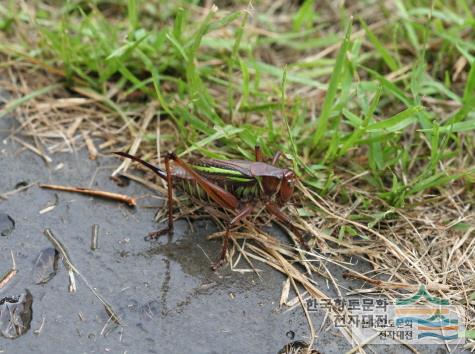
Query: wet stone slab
168	299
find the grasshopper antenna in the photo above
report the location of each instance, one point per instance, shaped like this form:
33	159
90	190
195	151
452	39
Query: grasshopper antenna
155	169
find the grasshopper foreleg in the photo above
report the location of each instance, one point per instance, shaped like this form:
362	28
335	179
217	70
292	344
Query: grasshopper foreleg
169	229
258	153
260	158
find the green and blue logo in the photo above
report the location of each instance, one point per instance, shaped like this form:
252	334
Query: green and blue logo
433	321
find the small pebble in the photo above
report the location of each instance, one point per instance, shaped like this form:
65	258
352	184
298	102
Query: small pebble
7	224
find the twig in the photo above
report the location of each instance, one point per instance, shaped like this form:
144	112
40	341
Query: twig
389	285
94	237
149	114
39	329
34	149
90	145
8	275
93	192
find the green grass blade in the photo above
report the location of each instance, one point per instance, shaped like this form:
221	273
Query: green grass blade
332	88
385	54
133	16
469	91
398	121
224	132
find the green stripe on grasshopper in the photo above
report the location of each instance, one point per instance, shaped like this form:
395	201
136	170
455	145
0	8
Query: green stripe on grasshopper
233	175
240	179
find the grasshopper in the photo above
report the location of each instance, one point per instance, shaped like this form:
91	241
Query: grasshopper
234	185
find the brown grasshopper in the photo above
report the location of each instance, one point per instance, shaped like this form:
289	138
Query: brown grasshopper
234	185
